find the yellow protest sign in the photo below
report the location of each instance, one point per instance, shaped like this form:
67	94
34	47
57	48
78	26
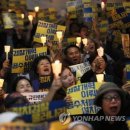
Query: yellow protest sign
127	6
49	30
42	111
111	5
22	58
82	98
69	41
126	44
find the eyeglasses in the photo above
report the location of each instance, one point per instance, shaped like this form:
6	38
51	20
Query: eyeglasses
110	98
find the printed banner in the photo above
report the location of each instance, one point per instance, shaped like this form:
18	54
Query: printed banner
35	97
113	5
74	8
23	58
41	112
103	26
128	72
127	7
126	44
82	98
119	19
49	30
69	41
88	12
80	69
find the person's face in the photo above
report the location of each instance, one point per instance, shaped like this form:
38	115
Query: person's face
67	78
99	65
24	86
74	55
44	67
80	127
84	32
111	103
91	47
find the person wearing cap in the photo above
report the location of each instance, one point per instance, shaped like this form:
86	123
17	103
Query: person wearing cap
111	100
79	125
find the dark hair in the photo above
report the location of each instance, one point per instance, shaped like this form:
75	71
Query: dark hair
70	46
14	99
65	67
14	84
37	60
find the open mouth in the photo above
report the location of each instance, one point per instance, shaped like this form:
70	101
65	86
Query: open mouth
114	109
46	69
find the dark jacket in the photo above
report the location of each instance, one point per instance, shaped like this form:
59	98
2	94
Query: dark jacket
106	125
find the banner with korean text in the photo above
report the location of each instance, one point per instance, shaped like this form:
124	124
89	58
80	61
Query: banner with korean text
23	58
83	98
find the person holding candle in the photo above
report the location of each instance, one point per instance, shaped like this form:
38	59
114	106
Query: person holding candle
100	65
41	67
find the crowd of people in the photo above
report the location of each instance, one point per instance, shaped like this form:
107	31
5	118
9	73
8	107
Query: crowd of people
113	95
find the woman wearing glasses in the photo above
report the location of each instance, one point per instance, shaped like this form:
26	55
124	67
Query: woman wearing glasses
111	100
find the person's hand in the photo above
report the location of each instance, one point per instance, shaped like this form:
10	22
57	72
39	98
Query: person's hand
126	87
98	65
56	84
6	64
50	45
68	99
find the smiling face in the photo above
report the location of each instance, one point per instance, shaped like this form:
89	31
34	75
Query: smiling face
111	103
67	78
44	67
24	86
74	55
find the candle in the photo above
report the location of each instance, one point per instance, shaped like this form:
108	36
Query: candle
100	51
30	17
1	83
78	40
22	16
7	50
102	5
100	77
43	40
56	67
59	35
85	41
36	8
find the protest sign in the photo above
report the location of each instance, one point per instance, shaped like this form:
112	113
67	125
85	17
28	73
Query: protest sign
128	72
83	98
35	97
80	69
126	44
42	111
49	30
119	19
22	58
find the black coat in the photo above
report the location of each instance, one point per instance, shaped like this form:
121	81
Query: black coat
106	125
